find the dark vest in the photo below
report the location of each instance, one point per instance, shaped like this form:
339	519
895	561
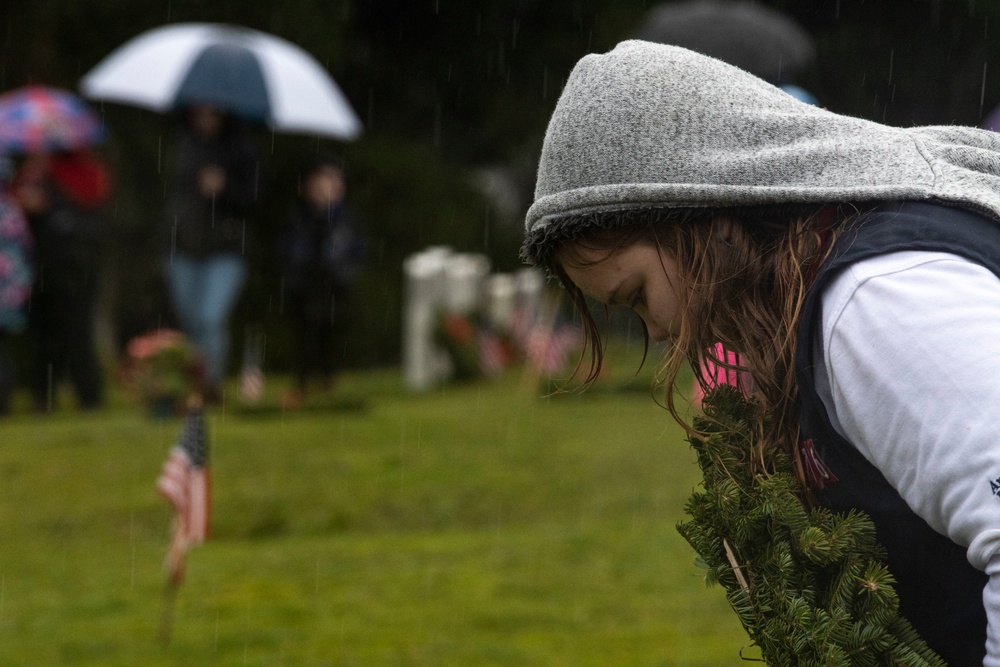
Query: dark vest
939	591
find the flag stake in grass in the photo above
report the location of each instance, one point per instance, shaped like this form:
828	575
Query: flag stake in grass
184	482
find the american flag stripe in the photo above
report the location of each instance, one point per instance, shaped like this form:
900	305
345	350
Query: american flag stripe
548	348
187	489
185	483
199	506
251	384
173	482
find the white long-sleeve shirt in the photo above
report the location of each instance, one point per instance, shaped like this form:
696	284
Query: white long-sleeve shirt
908	368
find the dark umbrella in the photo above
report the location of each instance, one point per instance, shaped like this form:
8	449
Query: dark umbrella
758	39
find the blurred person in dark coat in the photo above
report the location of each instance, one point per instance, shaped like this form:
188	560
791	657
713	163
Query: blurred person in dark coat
321	251
16	271
63	196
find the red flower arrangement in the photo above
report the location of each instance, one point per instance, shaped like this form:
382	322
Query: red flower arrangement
476	349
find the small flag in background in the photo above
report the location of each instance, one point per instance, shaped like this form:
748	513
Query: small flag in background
185	483
252	373
549	346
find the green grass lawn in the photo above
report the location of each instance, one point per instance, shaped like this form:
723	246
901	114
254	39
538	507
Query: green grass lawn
473	525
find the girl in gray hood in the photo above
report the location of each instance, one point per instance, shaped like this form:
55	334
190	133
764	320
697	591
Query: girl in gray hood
853	266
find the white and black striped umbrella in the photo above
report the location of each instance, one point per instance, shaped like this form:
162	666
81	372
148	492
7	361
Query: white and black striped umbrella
251	74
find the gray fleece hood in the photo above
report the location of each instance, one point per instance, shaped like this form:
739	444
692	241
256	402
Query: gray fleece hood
648	125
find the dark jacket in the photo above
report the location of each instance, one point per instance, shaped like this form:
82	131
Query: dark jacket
199	226
72	232
940	592
320	249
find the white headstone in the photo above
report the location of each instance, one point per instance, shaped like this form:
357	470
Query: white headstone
530	285
501	292
424	363
465	275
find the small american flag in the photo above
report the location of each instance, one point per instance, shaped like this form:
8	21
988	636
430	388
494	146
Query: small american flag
548	347
252	374
185	483
251	384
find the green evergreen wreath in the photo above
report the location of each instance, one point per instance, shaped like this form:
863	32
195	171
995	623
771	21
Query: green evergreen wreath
809	586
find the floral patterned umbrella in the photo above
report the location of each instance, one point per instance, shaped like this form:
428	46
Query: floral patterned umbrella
40	118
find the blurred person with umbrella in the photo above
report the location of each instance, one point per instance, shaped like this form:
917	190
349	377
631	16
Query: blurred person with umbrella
62	186
211	184
218	78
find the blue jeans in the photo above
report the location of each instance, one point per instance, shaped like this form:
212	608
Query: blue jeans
204	291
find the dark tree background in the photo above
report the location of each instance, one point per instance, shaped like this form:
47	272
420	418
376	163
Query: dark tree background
454	95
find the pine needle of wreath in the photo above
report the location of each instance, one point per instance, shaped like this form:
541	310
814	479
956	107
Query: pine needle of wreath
809	586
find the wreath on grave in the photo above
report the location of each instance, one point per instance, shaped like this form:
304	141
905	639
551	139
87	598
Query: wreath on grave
458	335
162	368
476	348
809	586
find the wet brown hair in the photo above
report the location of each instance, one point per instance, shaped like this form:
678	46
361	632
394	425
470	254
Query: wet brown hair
744	277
